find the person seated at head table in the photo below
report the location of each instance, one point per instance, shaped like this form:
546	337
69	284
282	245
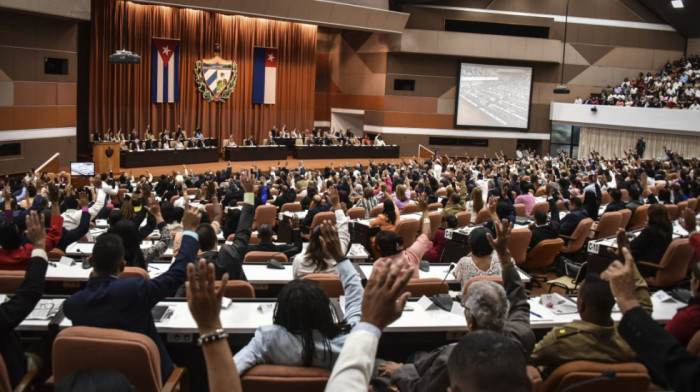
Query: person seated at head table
316	259
304	332
110	302
231	142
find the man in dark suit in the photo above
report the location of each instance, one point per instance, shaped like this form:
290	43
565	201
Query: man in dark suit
110	302
266	244
23	302
616	204
541	229
572	219
250	141
287	195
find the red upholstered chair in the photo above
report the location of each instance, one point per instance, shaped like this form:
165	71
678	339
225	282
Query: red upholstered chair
673	267
410	208
630	376
672	211
639	218
265	214
434	206
426	286
496	279
264	378
263	257
356	213
519	241
540	206
329	283
464	218
290	207
132	354
237	289
483	216
11	281
608	225
625	219
408	229
376	210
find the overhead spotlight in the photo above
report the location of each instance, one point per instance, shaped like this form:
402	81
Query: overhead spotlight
677	3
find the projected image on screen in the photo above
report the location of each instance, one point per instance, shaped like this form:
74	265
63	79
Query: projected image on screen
493	96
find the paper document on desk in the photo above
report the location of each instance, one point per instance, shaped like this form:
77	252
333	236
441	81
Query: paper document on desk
42	311
662	296
558	304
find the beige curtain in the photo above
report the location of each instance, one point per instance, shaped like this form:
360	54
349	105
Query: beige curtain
613	142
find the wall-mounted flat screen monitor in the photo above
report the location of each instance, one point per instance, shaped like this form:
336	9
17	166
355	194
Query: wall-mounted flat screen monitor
493	96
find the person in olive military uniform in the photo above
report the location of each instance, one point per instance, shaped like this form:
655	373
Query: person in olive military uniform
594	337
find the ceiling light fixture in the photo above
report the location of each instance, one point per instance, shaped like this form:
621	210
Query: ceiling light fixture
677	3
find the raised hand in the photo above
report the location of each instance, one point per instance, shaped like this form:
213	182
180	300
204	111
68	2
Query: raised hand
622	242
247	181
383	302
334	198
191	218
203	299
622	281
500	244
36	230
83	199
330	241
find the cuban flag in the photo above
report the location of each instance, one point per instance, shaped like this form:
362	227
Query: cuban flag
264	75
165	70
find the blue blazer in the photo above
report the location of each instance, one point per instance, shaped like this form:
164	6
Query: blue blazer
110	302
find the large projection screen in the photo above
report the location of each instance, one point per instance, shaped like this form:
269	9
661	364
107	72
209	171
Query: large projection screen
493	96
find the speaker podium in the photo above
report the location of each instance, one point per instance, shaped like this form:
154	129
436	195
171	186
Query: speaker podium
105	155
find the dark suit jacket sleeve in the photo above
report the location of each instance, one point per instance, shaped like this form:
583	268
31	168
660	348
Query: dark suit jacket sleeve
518	322
148	228
23	302
568	224
155	290
554	215
231	256
659	351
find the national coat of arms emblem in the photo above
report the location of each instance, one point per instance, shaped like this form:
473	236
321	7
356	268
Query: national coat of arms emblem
216	78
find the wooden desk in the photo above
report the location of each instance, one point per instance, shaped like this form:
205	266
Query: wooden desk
105	155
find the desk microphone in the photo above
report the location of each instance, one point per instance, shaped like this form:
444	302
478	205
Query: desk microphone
273	263
443	301
606	375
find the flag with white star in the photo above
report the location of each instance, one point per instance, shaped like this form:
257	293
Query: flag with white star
165	70
264	75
